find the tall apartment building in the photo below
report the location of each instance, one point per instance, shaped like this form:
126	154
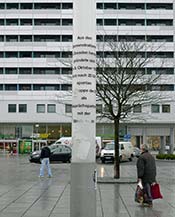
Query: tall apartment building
35	65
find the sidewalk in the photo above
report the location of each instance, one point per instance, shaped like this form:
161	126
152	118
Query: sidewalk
22	193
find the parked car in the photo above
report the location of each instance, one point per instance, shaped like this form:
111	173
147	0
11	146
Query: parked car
125	152
136	152
59	152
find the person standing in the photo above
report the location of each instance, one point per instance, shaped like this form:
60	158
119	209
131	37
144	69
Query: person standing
45	161
146	172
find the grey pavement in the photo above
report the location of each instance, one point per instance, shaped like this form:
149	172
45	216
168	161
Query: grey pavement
22	193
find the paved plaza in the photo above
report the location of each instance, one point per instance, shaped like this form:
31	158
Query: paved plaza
22	193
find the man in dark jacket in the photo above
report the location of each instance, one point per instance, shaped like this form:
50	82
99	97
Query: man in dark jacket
45	154
146	172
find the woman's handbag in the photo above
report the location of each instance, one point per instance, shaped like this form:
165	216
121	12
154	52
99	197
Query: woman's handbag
139	193
155	191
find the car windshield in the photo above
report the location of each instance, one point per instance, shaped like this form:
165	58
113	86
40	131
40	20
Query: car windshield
109	146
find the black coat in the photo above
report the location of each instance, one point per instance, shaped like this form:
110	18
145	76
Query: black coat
146	168
45	152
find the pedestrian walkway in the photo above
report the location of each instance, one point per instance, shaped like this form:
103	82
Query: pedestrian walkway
23	194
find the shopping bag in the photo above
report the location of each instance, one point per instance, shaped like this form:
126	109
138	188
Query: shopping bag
155	191
139	193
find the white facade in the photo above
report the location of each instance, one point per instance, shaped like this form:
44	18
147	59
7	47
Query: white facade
35	50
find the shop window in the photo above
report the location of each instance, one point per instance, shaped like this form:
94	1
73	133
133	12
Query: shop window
155	108
11	108
40	108
137	109
51	108
22	108
166	108
68	108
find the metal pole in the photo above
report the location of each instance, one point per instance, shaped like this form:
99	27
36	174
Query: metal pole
83	167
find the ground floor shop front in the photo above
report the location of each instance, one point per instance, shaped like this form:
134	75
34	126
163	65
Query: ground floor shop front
24	138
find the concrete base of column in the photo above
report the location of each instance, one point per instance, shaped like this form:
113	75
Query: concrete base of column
82	192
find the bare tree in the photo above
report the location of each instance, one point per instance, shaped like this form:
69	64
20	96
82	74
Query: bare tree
122	83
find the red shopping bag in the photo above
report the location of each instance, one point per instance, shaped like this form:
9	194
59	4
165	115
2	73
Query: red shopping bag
155	191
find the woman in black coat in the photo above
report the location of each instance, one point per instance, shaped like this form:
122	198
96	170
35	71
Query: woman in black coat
146	172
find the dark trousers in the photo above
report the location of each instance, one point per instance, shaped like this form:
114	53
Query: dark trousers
147	193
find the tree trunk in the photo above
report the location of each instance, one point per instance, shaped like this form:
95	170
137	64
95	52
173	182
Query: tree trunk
116	156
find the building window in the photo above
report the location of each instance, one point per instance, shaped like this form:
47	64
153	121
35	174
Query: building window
11	87
11	71
40	108
137	109
155	108
24	87
66	87
68	108
12	22
67	6
11	38
25	71
126	108
11	108
110	6
99	108
26	6
13	6
110	22
51	108
25	38
22	108
166	108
